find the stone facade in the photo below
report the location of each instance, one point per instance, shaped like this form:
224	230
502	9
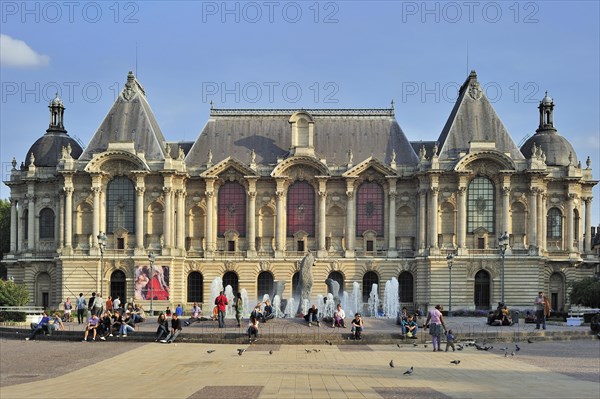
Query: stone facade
259	188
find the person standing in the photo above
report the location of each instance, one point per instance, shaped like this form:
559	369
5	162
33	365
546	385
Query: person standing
542	309
81	306
91	304
117	303
68	308
98	305
109	304
436	326
239	308
221	303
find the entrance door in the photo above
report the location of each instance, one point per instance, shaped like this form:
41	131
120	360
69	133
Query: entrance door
482	290
118	285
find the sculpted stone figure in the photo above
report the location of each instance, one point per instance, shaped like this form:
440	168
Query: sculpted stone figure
333	287
306	281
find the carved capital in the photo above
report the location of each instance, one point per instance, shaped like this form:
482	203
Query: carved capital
209	194
68	190
587	200
572	196
251	194
96	190
506	190
323	194
350	194
180	193
280	194
434	190
167	190
140	190
461	190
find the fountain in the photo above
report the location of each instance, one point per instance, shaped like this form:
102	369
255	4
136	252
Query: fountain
320	305
355	300
304	306
290	309
247	307
265	298
215	288
344	301
330	306
230	313
277	306
391	305
373	303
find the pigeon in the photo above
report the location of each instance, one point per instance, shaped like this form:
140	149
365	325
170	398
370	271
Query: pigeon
504	349
459	347
392	363
398	345
425	346
271	352
517	348
457	362
512	353
409	371
316	350
505	354
328	342
529	341
240	351
307	350
210	351
415	345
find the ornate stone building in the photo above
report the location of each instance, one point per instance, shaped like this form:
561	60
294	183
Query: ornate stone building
259	188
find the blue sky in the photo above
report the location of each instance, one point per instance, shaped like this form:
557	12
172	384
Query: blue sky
303	54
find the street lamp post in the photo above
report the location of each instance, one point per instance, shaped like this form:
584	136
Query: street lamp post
102	245
503	244
450	259
151	258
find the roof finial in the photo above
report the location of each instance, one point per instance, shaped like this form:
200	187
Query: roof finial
211	104
588	162
392	104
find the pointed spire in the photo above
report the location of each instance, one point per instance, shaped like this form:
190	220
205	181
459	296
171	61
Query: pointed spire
392	104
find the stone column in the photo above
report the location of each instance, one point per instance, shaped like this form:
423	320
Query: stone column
13	225
31	218
532	240
392	215
102	221
462	217
588	224
505	209
139	215
433	218
350	219
422	217
251	218
21	228
544	232
68	217
322	250
96	216
210	194
540	219
570	225
180	230
167	229
61	220
280	222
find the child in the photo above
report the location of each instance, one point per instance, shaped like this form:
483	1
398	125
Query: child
410	328
450	341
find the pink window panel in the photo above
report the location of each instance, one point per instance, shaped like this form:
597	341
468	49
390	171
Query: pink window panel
301	209
369	208
232	209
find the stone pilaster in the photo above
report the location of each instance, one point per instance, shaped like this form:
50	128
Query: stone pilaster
68	217
13	225
588	224
392	253
350	219
532	240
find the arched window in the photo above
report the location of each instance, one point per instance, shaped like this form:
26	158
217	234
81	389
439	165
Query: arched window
406	287
339	278
120	205
481	205
264	285
554	224
118	285
46	223
482	290
295	281
195	288
301	209
231	278
369	279
369	208
232	209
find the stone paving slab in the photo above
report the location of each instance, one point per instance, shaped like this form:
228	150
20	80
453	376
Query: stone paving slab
183	370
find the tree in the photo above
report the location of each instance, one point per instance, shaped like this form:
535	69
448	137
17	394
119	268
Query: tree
585	292
13	294
4	233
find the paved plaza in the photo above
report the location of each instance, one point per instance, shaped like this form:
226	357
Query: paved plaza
66	369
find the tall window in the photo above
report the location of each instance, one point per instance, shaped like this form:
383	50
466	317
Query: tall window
554	224
118	285
369	208
369	279
46	223
301	209
195	289
405	286
232	208
120	201
481	205
231	278
264	284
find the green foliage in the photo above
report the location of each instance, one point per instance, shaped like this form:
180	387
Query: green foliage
12	294
12	316
585	292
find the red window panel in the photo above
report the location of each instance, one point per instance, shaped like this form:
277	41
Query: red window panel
301	209
232	209
369	208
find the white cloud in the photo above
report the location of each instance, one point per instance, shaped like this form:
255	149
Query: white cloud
17	54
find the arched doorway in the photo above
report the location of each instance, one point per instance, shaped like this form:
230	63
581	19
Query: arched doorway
405	288
556	288
369	279
264	285
231	278
43	287
339	278
118	285
295	281
195	287
482	290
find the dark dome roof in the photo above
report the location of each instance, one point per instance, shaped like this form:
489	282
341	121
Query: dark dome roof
47	150
556	147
